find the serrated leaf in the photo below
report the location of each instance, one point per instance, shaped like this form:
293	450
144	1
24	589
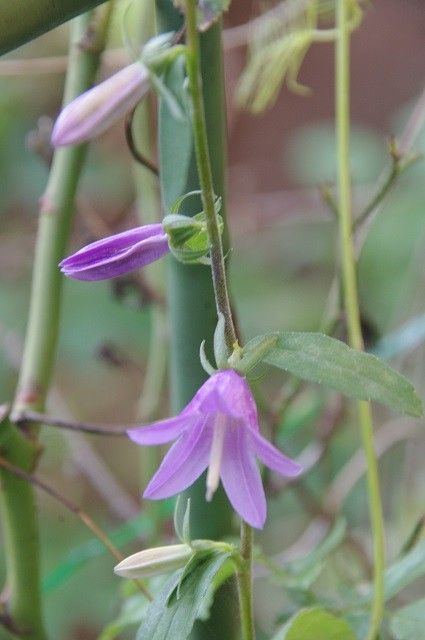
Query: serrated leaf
171	615
319	358
408	623
315	624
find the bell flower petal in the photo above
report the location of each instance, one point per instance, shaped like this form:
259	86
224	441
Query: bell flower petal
218	429
183	464
241	478
94	111
117	254
272	457
163	431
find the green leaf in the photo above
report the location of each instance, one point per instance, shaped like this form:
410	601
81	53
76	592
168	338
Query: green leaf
172	614
408	623
315	624
300	574
175	139
319	358
405	571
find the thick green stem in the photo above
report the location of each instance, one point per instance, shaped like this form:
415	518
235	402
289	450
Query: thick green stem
192	310
218	274
351	302
17	502
24	20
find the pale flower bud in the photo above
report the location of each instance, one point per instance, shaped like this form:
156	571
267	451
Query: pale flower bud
94	111
152	562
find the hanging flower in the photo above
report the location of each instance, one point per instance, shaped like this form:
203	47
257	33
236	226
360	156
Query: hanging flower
217	430
117	254
94	111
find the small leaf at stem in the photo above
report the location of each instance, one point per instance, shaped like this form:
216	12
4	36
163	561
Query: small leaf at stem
221	352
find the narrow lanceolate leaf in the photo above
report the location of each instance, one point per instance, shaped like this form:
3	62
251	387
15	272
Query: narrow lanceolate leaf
172	614
319	358
398	576
315	624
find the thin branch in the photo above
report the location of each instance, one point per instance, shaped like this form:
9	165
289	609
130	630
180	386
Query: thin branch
137	155
34	417
75	509
406	139
399	164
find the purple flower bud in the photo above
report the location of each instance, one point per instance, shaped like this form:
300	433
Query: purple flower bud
217	430
117	254
94	111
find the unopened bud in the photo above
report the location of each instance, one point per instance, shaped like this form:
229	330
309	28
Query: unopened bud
152	562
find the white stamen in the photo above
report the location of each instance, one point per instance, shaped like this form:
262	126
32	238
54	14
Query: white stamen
216	455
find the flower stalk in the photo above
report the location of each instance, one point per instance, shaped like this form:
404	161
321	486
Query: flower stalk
218	271
351	303
193	65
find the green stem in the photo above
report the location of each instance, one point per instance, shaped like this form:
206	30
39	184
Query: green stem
245	583
57	208
193	64
351	303
17	505
218	274
24	20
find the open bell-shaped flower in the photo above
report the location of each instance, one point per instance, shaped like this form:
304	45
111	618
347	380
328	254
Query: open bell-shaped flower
117	254
97	109
217	430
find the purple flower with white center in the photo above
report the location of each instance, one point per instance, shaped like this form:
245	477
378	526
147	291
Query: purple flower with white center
217	430
97	109
117	254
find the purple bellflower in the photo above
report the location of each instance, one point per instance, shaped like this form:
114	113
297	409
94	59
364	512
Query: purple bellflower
117	254
217	430
95	110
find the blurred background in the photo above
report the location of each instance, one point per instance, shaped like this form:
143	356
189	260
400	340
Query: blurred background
282	267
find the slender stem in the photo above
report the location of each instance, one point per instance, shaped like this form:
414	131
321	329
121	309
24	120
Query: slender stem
245	583
351	303
74	508
17	505
205	173
218	274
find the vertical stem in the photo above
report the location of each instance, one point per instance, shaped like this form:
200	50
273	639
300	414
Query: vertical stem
193	65
218	273
245	583
17	505
351	303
